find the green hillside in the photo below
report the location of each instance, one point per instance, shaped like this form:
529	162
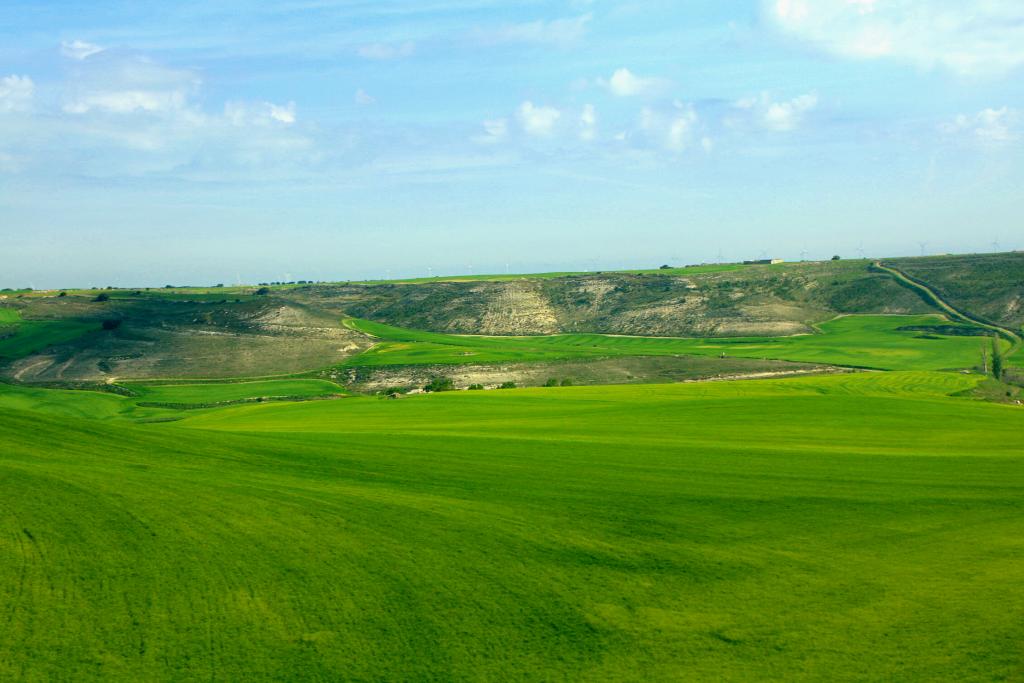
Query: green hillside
880	342
581	533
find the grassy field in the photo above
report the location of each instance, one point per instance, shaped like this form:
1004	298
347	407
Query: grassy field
842	528
19	338
860	341
222	392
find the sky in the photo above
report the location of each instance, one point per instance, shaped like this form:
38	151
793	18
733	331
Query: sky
146	143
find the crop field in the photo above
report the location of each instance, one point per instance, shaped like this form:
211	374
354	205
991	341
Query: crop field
859	341
784	529
223	392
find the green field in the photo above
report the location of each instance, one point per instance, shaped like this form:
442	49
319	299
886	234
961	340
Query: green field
843	528
223	392
858	341
19	338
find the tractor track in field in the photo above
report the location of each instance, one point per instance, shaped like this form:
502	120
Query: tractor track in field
950	309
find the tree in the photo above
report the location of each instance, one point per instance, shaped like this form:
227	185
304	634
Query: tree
837	258
102	296
666	267
997	358
62	294
263	291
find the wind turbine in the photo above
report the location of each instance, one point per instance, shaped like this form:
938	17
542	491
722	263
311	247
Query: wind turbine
860	250
923	245
996	247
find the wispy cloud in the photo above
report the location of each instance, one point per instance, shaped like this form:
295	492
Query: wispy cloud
990	127
967	38
387	51
784	115
363	98
558	32
79	49
495	131
16	93
588	123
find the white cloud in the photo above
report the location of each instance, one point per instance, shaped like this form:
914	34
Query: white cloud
386	51
125	86
79	49
988	127
779	116
588	123
127	101
16	93
495	130
673	130
680	129
537	120
559	32
967	38
624	83
259	113
363	98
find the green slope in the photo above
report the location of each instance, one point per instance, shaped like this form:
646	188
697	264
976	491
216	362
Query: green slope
842	528
221	392
859	341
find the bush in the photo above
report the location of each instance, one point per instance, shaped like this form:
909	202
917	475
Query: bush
263	291
111	324
552	382
440	384
836	258
476	387
566	382
62	294
103	296
508	385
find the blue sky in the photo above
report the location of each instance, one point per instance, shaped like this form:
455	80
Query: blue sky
196	142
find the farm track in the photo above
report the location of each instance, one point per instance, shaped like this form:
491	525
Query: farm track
957	313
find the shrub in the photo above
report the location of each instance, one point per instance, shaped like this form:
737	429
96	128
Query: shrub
566	382
552	382
440	384
263	291
836	258
103	296
62	294
111	324
476	387
508	385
